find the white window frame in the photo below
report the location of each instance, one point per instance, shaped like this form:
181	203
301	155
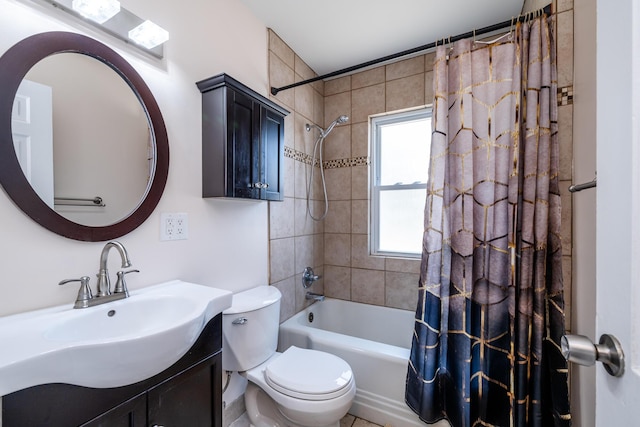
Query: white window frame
375	124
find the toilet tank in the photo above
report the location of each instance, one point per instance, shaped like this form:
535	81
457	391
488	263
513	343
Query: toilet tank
250	328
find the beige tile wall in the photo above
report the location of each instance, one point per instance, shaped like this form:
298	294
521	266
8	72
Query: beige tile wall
295	241
351	273
338	246
564	43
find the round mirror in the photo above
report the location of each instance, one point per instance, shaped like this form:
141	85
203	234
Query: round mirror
86	138
95	166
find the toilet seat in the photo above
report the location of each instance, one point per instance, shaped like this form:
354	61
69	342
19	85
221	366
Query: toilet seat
309	374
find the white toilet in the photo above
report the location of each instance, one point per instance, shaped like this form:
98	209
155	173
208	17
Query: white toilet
300	387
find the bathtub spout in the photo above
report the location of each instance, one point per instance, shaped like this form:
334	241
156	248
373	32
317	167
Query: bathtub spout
314	296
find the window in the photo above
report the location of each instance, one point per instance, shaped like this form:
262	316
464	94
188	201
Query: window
400	146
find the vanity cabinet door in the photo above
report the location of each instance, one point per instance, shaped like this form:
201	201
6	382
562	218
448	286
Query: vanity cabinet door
192	398
132	413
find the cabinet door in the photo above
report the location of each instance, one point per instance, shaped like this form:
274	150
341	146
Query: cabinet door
192	398
132	413
243	150
272	153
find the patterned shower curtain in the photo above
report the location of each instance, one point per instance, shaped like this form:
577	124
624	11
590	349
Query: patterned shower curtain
486	344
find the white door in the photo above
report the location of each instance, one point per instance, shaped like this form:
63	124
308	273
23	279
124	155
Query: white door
618	205
32	130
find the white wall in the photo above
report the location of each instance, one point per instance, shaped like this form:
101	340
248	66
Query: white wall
227	245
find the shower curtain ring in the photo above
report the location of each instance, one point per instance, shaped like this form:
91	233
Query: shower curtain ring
510	37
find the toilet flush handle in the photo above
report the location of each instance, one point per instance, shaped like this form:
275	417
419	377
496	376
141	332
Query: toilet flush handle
240	321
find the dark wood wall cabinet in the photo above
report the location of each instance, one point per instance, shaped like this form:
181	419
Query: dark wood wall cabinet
188	393
242	141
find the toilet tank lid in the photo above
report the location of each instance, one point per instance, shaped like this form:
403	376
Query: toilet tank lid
253	299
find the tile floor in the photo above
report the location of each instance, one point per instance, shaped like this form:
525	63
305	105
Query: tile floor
348	421
351	421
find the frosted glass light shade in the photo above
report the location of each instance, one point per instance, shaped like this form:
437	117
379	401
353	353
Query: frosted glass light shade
149	35
97	10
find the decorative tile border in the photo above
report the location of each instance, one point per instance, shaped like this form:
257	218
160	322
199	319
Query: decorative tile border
299	156
347	163
565	95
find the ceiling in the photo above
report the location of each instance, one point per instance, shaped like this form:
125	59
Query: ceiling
330	35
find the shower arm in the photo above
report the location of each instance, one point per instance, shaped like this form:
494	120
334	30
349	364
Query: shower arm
325	132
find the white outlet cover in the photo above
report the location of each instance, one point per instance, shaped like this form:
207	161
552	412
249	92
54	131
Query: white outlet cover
174	226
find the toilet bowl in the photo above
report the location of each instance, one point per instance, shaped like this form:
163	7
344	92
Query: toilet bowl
309	388
295	388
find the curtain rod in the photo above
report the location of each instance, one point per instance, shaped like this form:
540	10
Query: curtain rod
481	31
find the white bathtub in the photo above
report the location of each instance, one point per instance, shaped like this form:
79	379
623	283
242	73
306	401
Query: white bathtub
374	340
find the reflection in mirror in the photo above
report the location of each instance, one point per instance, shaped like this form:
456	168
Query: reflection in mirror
88	136
140	163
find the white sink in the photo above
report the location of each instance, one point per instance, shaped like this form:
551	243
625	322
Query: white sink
109	345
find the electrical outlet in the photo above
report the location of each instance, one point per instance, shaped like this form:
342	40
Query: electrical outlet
174	226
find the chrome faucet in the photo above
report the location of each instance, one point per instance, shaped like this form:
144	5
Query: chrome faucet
314	296
85	298
104	284
308	278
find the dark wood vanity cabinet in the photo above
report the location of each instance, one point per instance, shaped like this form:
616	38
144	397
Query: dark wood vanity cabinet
189	393
131	413
242	141
188	399
185	399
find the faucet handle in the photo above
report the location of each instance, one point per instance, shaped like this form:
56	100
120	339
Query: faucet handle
308	277
121	285
84	293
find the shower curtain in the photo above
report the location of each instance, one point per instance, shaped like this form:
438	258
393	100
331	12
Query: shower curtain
486	344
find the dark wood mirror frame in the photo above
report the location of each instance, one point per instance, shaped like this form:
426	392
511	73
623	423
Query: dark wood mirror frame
14	65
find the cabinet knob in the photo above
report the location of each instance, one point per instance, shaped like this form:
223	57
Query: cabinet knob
260	185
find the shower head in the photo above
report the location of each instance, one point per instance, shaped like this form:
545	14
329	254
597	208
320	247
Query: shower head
340	120
324	132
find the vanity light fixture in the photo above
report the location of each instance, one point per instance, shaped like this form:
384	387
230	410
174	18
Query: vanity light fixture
110	17
149	34
99	11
